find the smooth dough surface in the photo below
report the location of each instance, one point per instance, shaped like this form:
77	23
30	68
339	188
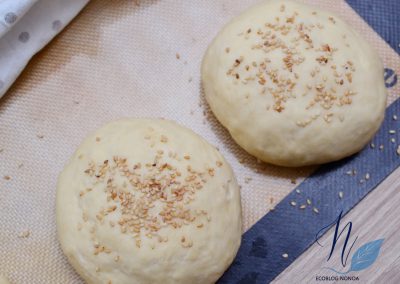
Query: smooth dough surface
3	280
294	85
148	201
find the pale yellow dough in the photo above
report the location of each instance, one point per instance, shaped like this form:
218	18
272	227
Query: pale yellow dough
148	201
3	280
294	85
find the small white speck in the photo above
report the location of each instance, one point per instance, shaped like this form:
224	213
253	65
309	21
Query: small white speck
285	255
394	117
367	176
341	194
393	140
315	210
293	203
303	206
309	201
392	131
24	234
298	191
372	145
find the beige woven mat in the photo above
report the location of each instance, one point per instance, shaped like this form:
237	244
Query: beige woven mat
118	59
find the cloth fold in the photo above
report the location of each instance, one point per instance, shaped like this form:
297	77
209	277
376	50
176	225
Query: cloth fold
26	27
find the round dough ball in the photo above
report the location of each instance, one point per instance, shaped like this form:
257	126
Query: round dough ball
148	201
294	85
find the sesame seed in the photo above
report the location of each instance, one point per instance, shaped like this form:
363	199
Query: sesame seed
340	194
372	145
285	255
392	140
367	176
298	191
24	234
315	210
392	131
293	203
303	206
394	117
309	201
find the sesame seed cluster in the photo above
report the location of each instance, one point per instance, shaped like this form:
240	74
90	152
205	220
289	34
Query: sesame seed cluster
285	41
143	198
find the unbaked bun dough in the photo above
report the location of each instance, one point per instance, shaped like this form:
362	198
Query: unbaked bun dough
3	280
294	85
148	201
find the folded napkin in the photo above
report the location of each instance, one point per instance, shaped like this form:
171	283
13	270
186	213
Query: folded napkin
26	26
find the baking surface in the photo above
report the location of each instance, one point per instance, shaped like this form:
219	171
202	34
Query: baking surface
381	204
117	59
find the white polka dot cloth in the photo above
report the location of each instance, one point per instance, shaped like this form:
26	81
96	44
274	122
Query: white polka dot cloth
26	26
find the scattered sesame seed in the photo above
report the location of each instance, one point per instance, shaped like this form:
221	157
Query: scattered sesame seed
24	234
392	131
298	191
293	203
394	117
372	145
367	176
315	210
303	206
285	255
392	140
340	194
164	139
309	201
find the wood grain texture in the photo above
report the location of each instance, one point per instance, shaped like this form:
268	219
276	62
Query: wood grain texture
375	217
